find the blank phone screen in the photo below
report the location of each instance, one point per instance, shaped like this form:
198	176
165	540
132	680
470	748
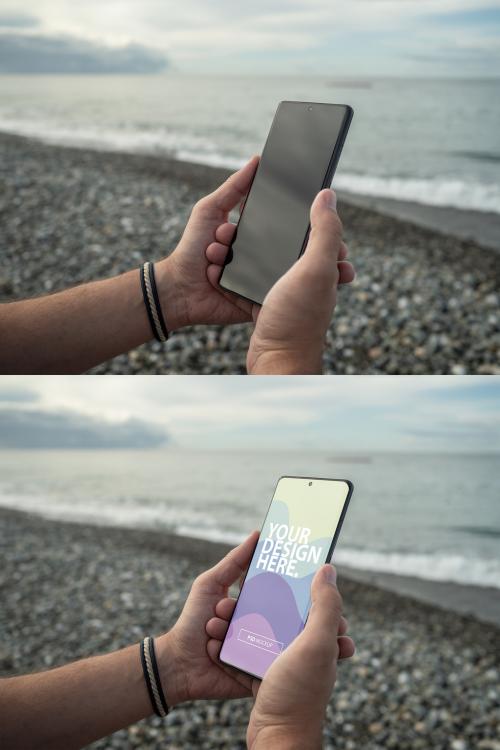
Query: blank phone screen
298	160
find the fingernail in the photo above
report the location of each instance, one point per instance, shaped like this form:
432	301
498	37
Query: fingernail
330	200
330	575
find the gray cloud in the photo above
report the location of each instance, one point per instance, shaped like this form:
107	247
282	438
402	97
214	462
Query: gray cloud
30	429
452	55
27	53
18	20
16	393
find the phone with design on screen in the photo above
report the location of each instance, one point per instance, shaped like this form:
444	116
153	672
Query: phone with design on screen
298	160
299	534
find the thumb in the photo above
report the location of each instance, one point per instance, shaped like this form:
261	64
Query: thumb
234	564
326	609
325	237
232	191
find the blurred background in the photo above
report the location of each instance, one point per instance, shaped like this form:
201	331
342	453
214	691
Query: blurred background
423	456
114	494
172	86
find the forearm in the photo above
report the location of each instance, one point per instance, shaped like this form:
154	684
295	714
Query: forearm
76	704
75	330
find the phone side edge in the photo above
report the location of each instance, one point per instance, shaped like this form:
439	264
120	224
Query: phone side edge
334	160
350	490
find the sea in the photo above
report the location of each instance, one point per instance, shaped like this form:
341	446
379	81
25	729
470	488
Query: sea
434	142
431	516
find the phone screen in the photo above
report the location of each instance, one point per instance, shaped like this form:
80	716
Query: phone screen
298	160
297	538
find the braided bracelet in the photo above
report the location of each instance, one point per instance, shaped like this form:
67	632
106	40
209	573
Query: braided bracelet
152	302
152	677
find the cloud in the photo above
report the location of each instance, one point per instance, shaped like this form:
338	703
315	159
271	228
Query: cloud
18	20
30	429
28	53
343	413
15	393
348	37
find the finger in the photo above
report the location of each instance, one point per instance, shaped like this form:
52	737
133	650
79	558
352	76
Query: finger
346	647
326	609
247	308
216	253
217	628
346	272
325	237
230	193
225	608
229	569
213	650
342	627
343	252
214	273
225	233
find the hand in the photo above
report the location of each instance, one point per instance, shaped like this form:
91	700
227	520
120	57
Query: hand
188	279
291	700
187	654
290	330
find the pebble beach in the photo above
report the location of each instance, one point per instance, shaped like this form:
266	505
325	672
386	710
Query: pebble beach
423	301
422	677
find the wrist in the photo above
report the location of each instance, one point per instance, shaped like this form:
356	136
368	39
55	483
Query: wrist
172	672
172	299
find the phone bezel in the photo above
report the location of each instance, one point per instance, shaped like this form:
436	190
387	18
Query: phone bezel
327	180
350	488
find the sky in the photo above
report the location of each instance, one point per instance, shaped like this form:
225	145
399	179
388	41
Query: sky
345	414
334	37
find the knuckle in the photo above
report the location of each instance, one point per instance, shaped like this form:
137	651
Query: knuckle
337	221
329	226
201	205
200	581
336	604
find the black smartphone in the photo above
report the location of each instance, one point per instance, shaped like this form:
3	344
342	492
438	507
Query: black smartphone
299	534
299	159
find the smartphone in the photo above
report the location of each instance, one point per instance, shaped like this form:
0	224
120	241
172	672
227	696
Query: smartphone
299	534
299	159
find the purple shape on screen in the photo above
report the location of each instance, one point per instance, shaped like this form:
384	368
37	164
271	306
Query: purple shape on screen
271	596
268	610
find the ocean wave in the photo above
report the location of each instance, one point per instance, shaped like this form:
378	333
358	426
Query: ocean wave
489	156
182	146
462	569
467	570
436	191
433	191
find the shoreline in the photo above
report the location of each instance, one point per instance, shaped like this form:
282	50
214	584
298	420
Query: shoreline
421	677
481	227
475	602
422	302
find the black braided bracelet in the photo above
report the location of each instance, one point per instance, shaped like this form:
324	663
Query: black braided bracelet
152	677
152	302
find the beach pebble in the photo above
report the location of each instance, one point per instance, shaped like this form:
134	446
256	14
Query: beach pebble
421	677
